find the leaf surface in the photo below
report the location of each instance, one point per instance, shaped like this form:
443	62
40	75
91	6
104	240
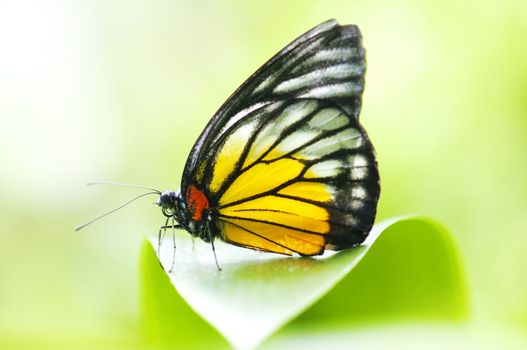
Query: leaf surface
407	268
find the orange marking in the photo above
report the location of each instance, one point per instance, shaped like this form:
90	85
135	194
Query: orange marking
197	202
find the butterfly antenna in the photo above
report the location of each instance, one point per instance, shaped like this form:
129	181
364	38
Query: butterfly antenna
119	184
114	210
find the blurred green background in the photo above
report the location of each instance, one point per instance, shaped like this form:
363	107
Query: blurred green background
119	90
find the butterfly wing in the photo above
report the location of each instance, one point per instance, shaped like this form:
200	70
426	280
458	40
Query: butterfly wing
285	163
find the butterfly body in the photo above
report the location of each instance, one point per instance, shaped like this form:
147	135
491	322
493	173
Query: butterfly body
285	166
191	212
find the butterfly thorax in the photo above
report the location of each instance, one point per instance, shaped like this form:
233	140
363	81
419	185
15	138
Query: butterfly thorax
190	211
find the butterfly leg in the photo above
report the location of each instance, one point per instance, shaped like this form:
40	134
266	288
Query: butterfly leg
160	235
174	244
171	226
213	248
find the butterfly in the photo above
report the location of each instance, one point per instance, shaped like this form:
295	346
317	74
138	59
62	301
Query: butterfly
284	166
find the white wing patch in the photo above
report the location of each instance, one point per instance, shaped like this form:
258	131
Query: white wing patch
333	90
328	168
270	133
311	78
355	167
359	192
242	114
275	76
318	135
359	161
346	139
338	54
295	140
328	119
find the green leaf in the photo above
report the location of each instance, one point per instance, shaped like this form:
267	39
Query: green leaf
406	269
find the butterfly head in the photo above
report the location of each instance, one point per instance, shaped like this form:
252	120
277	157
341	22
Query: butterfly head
173	205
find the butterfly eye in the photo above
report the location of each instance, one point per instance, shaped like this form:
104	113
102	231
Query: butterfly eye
168	212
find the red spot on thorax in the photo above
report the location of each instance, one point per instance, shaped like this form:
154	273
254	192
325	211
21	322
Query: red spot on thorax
197	202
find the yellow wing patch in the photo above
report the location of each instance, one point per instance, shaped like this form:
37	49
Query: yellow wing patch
228	155
272	222
310	190
271	238
240	236
261	178
282	211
